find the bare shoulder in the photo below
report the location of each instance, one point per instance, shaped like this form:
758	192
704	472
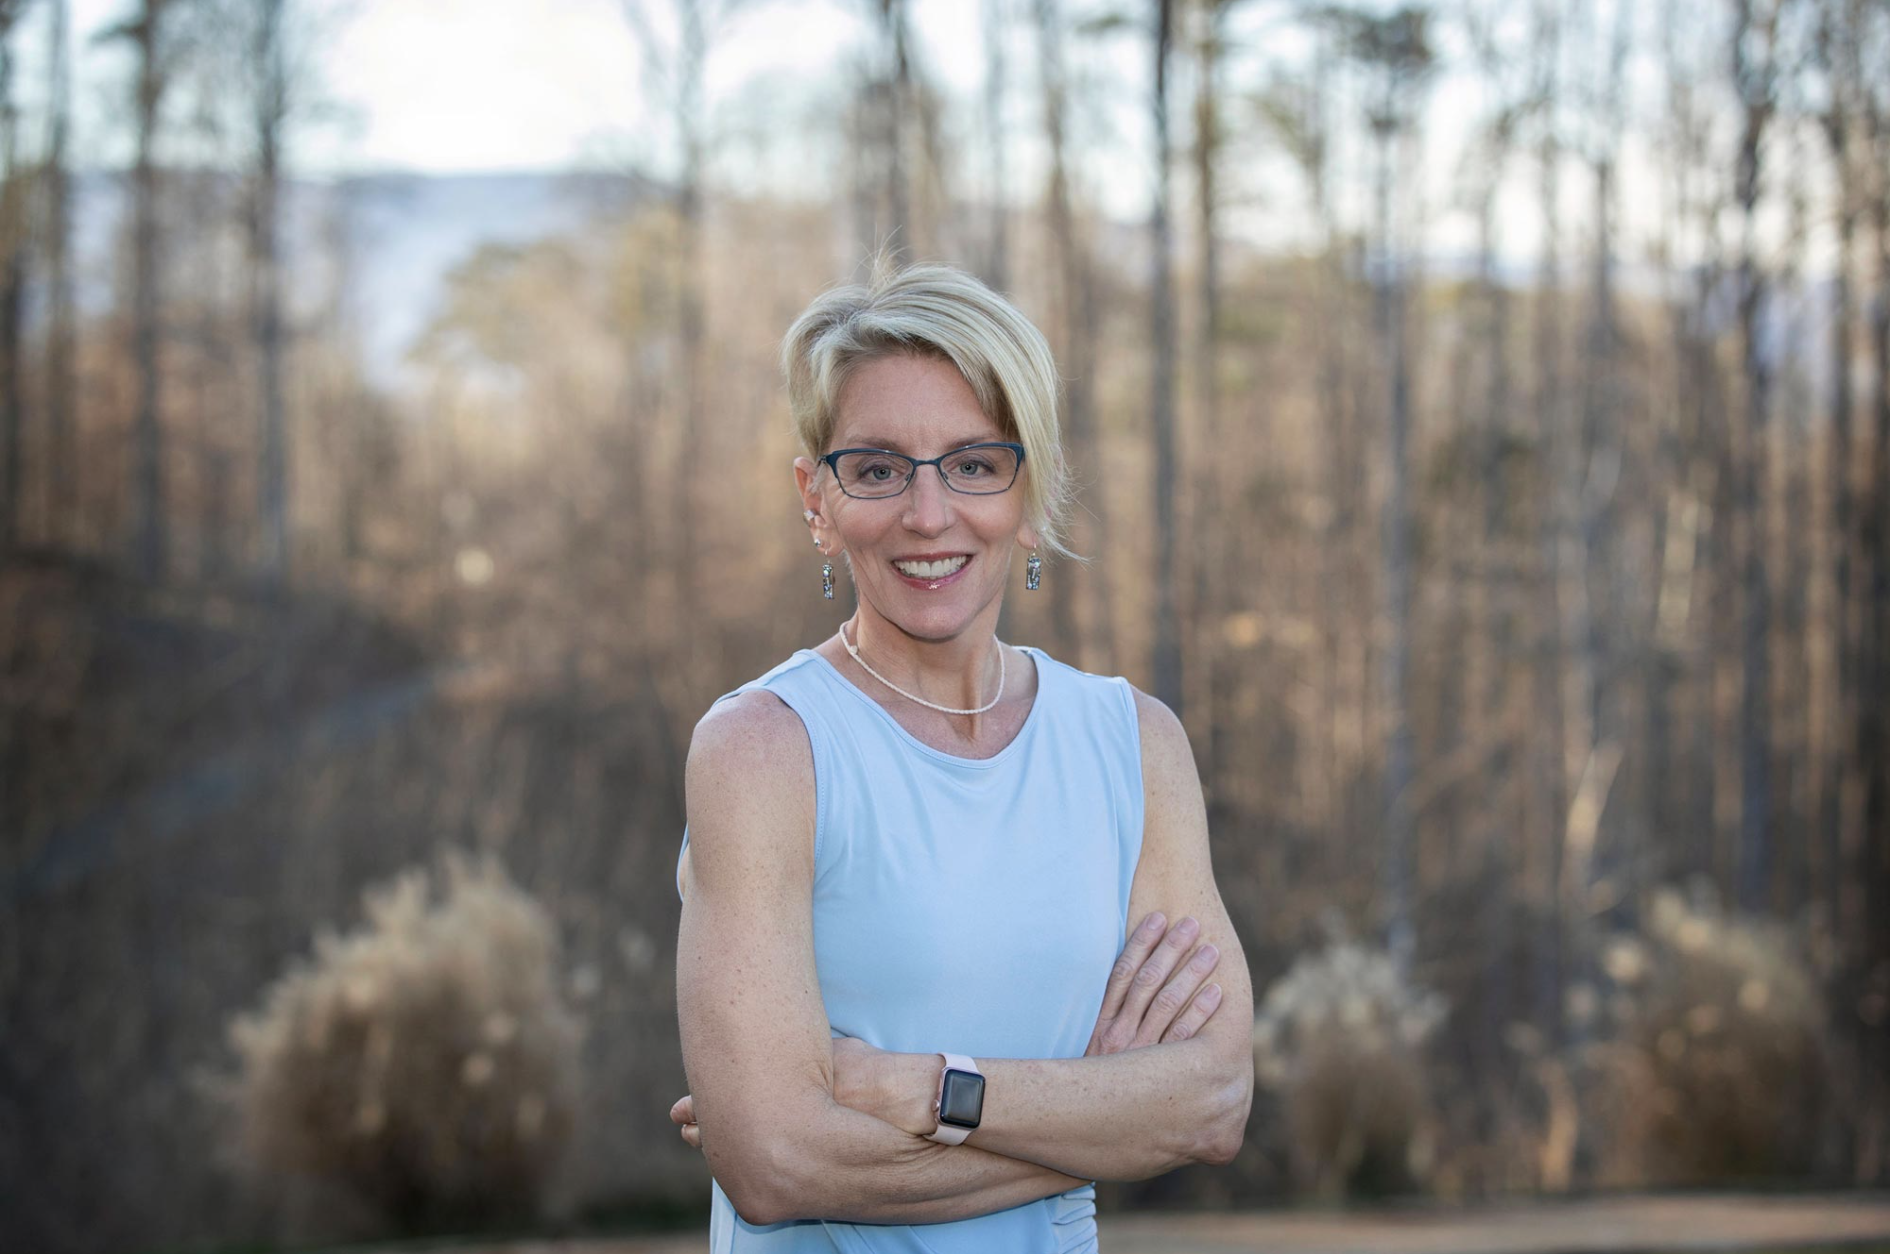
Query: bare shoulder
749	784
1168	768
754	729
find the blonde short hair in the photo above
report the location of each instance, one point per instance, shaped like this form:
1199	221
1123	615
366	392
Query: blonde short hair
942	312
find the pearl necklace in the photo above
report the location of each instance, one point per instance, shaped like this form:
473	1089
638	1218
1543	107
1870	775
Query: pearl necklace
942	709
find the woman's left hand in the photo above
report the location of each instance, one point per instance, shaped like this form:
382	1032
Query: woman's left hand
893	1088
858	1075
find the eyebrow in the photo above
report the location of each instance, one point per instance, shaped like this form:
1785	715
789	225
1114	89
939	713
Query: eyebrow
895	446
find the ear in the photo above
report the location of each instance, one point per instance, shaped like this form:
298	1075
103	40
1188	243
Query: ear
806	482
1027	537
806	470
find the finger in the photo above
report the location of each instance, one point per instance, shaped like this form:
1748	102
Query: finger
684	1111
1140	943
1129	961
1176	994
1199	1011
1154	973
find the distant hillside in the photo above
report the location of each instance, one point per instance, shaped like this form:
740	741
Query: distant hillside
404	233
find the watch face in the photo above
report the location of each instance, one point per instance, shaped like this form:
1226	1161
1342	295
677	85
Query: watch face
962	1102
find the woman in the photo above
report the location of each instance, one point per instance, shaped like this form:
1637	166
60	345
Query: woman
912	852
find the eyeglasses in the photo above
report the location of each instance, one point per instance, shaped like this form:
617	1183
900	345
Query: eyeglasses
975	470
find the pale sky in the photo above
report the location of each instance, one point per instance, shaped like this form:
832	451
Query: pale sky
491	85
532	84
459	85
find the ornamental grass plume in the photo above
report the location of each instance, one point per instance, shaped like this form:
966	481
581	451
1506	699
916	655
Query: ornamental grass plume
1341	1039
1718	1061
426	1063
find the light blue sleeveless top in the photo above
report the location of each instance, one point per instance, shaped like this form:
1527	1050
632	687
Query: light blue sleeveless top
963	904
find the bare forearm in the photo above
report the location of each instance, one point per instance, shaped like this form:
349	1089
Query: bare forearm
857	1168
1124	1116
1119	1117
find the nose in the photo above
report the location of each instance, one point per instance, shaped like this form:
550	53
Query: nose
928	502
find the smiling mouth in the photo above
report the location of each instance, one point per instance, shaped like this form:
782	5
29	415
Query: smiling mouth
941	568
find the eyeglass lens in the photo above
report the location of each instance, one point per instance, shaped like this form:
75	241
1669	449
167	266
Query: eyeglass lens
979	470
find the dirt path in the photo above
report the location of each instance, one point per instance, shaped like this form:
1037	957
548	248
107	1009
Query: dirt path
1611	1226
1718	1222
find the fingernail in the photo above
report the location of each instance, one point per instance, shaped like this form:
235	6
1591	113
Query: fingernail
1207	957
1187	927
1211	993
1154	922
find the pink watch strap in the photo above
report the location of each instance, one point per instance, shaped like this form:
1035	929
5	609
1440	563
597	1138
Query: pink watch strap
945	1133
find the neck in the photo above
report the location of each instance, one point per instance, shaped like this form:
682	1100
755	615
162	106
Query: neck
960	671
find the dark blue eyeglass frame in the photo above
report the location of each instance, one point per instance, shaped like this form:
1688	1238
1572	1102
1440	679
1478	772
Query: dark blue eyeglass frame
832	460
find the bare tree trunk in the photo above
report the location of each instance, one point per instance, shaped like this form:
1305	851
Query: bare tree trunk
1077	323
1341	459
1585	462
1795	553
1166	660
152	529
1711	448
271	111
681	70
691	315
1491	610
892	19
1757	90
13	236
1673	763
1839	783
997	253
1589	472
1394	50
1395	538
62	442
201	388
1873	663
1494	617
1550	766
1210	689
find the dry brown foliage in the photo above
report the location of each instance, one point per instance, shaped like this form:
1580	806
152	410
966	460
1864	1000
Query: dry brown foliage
1341	1036
427	1062
1718	1060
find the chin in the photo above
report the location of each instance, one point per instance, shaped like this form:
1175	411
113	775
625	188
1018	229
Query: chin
936	622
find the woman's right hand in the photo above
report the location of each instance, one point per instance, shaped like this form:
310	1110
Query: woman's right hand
1154	992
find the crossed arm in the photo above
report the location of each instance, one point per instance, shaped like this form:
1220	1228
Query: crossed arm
797	1125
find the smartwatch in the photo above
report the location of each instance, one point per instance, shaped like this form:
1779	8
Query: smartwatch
960	1100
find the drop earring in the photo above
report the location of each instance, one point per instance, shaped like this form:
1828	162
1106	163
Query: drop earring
1033	571
826	580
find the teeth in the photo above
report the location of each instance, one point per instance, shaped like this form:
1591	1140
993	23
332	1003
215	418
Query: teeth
931	570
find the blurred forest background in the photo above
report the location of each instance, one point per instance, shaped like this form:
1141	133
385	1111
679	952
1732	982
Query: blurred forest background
1483	411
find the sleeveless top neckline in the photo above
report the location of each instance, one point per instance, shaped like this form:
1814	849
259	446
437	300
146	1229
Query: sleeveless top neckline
996	759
